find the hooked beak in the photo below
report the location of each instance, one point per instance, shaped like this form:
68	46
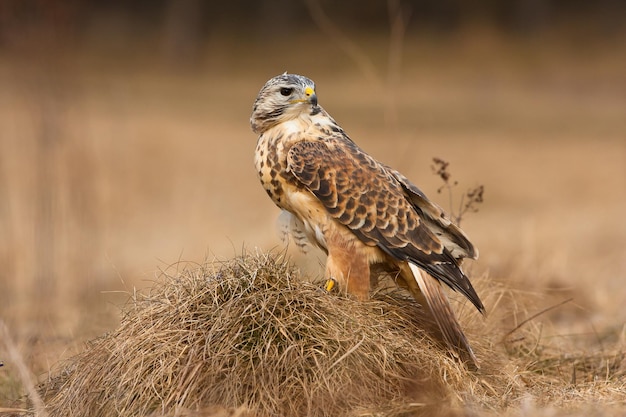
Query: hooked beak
310	95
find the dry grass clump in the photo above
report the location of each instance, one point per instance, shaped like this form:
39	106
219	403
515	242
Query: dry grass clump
249	332
248	337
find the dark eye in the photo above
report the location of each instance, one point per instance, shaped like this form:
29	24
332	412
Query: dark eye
286	91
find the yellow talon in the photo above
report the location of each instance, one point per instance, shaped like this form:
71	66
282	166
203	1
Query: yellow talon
330	284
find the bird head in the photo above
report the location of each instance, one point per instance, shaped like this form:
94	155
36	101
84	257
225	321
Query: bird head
283	98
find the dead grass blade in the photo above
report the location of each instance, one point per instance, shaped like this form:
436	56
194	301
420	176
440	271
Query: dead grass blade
24	373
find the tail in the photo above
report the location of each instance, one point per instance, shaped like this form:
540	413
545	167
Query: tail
441	309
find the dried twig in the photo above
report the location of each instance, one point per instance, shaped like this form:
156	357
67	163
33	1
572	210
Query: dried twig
469	201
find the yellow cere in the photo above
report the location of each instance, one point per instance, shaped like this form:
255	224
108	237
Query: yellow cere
309	91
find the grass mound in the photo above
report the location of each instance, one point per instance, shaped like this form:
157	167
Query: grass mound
248	337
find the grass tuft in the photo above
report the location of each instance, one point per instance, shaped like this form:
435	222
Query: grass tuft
250	337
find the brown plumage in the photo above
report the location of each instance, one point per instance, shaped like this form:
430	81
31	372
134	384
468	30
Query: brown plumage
359	211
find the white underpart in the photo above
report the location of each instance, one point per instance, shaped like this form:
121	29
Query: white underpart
302	232
283	226
289	127
292	228
319	236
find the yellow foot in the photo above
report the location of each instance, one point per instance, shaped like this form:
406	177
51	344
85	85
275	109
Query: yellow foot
330	284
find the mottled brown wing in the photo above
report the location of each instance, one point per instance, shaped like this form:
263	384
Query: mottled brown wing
452	237
365	196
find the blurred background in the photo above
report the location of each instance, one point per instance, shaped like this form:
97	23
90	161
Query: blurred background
126	147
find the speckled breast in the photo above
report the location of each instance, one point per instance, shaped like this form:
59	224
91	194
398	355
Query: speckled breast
271	163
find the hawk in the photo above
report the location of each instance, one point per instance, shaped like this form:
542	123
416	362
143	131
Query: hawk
364	214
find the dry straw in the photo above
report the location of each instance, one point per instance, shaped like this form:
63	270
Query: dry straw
248	337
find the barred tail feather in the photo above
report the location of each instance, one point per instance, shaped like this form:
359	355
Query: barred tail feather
444	315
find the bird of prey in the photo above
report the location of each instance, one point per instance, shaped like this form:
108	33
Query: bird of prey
362	213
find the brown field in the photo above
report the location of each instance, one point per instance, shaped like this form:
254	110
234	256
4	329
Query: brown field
115	165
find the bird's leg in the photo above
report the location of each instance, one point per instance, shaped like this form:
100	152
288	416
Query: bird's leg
330	284
349	270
